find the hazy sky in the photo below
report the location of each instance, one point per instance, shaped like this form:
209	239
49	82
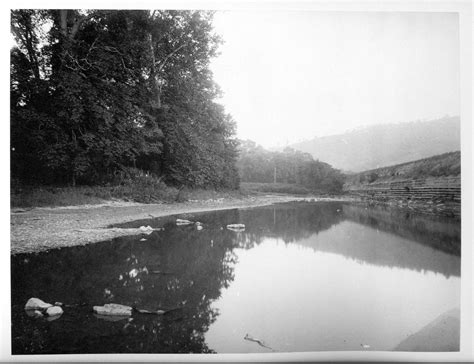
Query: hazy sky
293	75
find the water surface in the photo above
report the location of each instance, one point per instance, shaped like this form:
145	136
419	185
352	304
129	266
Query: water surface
302	277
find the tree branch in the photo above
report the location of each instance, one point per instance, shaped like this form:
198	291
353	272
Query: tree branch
162	63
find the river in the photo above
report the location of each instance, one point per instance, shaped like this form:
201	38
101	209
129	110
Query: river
301	277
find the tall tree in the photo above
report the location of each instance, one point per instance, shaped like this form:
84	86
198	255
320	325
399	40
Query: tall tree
94	92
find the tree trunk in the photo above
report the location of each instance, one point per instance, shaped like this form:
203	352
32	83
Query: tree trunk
154	75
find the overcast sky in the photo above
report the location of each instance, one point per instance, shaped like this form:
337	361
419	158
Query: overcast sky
294	75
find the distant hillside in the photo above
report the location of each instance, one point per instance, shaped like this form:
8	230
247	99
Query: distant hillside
385	145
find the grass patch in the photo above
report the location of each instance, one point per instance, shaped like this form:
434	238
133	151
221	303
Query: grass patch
39	197
143	189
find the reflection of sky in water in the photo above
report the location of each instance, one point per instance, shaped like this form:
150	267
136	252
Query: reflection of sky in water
310	296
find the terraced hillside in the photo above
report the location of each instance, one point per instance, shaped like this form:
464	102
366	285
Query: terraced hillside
435	182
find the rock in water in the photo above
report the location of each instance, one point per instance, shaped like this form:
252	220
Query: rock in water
113	309
54	311
34	313
199	227
37	304
146	229
183	222
236	227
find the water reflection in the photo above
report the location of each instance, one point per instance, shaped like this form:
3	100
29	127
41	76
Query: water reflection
272	264
438	232
324	302
122	271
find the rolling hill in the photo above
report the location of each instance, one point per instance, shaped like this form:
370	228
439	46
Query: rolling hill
384	145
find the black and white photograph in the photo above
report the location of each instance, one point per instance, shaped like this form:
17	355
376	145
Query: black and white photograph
262	179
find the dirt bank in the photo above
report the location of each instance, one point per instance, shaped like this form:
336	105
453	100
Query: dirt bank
41	229
442	334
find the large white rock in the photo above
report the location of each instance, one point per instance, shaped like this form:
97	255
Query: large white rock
113	309
37	304
54	311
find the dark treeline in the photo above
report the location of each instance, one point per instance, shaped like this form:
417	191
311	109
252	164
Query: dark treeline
101	93
257	164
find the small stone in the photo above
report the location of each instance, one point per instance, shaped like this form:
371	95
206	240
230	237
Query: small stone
199	227
58	304
37	304
54	311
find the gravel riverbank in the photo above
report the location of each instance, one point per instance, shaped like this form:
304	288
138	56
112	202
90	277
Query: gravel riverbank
42	229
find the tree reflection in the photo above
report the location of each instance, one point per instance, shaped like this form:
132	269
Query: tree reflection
122	271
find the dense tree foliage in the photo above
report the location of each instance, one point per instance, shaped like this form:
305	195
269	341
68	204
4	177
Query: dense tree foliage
289	166
95	93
